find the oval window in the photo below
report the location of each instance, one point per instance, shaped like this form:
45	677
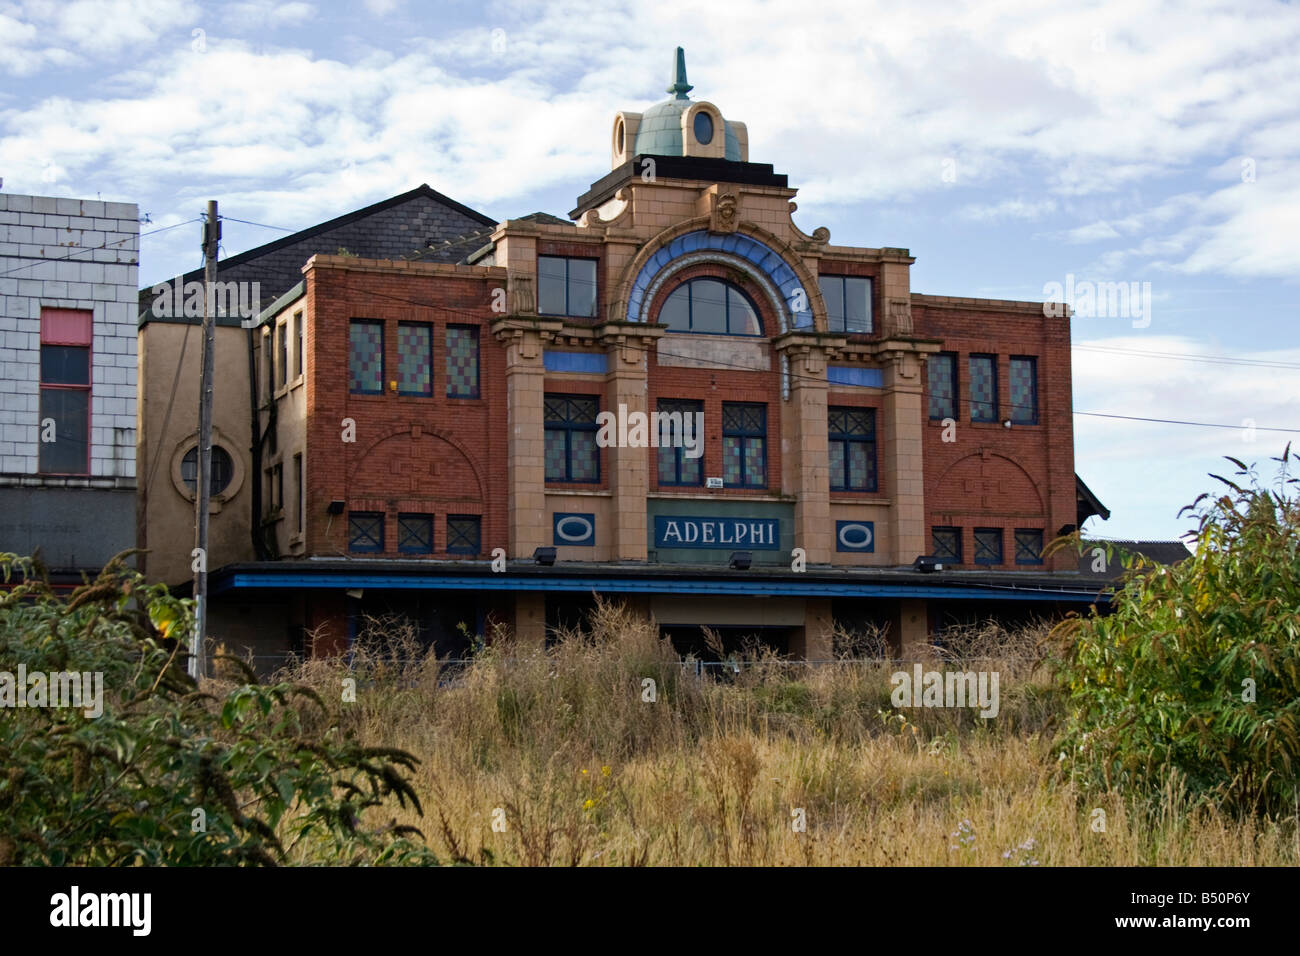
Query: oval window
223	469
618	137
703	128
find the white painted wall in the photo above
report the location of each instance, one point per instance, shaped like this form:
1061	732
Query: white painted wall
69	254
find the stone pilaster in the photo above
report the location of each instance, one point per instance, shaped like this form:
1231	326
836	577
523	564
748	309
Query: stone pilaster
804	441
899	444
627	346
523	339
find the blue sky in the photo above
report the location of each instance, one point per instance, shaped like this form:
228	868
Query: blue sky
1007	145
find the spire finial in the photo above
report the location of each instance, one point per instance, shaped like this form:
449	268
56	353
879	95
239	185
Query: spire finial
680	87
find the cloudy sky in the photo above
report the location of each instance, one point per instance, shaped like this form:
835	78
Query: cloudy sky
1008	145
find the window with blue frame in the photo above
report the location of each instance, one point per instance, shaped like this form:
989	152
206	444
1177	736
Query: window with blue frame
983	388
566	286
366	532
945	544
1023	376
988	545
570	425
366	357
464	534
710	306
852	434
848	302
941	376
1029	546
415	533
744	445
675	467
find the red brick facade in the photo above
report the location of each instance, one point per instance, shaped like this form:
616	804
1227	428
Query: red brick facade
991	476
434	455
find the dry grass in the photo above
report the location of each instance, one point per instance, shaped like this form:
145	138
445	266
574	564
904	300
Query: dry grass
563	747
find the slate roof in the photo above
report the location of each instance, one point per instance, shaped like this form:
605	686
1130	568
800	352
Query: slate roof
420	223
1165	552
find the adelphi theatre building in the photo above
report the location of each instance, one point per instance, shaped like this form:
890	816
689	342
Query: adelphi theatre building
676	399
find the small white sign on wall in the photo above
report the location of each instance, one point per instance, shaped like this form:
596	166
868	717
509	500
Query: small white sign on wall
712	482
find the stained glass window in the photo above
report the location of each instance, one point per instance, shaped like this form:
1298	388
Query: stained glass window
983	388
366	357
852	434
675	466
1023	375
744	445
462	361
570	425
941	370
414	359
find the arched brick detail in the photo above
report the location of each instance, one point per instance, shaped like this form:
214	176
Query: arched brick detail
461	464
765	253
1007	480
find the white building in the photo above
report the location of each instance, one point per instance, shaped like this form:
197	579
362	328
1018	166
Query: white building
68	303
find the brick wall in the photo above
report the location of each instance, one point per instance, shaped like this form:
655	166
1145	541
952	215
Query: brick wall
434	455
69	254
991	476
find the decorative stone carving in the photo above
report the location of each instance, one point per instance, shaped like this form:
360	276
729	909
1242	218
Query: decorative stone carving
523	299
820	236
898	320
725	214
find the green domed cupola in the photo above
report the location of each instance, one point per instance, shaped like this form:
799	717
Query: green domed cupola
679	127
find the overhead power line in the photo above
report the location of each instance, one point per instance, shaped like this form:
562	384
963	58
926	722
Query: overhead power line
248	222
795	376
1169	421
1188	357
82	251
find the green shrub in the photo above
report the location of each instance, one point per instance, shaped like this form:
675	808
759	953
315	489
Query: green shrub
168	774
1197	671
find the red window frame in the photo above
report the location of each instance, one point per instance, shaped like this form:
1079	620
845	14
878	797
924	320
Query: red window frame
70	327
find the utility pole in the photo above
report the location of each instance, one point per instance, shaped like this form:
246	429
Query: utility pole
211	237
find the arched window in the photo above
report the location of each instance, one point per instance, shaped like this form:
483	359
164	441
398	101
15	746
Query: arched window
710	305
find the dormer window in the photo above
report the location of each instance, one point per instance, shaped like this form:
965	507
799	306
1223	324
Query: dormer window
710	306
703	128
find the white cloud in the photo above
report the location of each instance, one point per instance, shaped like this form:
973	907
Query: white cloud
263	14
1138	468
1007	209
36	34
1082	109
